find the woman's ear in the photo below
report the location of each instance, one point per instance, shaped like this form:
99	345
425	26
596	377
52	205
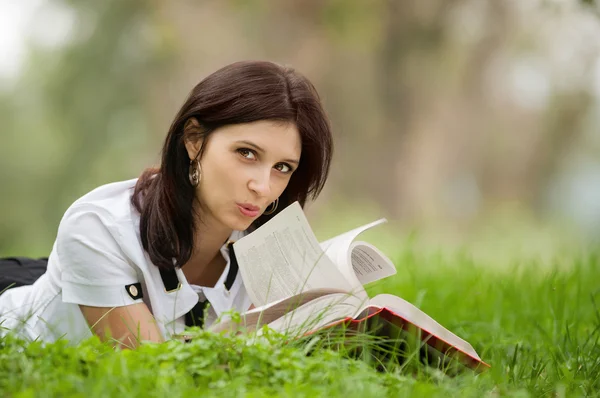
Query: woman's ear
192	137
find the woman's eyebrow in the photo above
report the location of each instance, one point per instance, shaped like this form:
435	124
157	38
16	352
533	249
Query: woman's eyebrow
259	149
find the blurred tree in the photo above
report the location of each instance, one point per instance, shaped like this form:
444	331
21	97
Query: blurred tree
79	104
413	34
432	112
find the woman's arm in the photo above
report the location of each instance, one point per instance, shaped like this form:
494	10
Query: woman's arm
95	274
125	326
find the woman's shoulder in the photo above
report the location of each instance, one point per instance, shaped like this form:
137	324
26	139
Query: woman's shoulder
106	208
112	200
103	219
108	193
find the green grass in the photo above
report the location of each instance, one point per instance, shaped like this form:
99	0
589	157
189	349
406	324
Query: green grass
537	325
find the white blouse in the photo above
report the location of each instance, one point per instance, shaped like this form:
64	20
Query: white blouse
98	260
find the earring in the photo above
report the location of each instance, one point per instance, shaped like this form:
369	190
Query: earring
194	172
271	208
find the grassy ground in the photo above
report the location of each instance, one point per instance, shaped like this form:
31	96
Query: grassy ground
537	325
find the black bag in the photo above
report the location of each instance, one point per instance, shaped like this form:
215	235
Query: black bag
19	271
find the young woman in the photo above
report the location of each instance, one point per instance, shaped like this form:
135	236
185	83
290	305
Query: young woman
139	260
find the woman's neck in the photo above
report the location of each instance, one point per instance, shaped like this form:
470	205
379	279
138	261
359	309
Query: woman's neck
206	263
209	240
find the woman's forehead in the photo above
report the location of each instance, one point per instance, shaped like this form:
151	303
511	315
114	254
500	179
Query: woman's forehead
275	136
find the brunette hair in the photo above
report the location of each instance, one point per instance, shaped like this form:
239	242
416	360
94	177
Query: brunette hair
242	92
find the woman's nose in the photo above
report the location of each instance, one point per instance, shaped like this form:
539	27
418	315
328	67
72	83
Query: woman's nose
261	182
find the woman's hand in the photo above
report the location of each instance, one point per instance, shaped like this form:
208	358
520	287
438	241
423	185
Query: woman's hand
126	326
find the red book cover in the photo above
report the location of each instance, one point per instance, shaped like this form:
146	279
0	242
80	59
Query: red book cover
383	321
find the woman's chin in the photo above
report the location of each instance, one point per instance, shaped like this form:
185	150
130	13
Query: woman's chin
241	225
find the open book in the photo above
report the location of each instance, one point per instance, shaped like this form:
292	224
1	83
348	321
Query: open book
300	286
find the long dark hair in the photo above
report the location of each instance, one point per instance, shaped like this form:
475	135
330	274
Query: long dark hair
242	92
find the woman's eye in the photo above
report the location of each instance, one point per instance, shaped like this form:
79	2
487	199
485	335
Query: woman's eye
283	167
247	153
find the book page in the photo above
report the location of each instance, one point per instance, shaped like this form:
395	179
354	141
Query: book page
256	317
366	264
369	263
318	313
423	321
283	258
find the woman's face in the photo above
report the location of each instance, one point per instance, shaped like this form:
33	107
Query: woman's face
244	168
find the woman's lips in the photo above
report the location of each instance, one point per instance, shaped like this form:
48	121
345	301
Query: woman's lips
248	210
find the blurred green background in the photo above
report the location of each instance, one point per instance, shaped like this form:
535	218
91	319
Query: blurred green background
471	125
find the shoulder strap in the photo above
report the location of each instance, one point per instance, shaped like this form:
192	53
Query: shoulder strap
233	267
195	317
